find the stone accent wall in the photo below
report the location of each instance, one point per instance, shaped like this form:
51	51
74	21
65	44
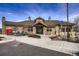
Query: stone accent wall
64	34
20	29
44	30
53	32
57	30
26	29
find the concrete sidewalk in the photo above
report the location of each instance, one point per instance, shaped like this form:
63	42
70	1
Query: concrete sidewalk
6	39
45	42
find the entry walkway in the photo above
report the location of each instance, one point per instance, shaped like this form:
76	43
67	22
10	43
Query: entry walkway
46	42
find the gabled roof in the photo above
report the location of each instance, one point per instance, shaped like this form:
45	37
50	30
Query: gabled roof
29	23
38	18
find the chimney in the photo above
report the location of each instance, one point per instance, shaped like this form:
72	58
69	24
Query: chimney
29	18
3	25
3	19
49	18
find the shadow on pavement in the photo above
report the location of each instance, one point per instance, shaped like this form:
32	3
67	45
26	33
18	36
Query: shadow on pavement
77	53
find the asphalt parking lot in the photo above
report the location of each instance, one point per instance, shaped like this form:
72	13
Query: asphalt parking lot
16	48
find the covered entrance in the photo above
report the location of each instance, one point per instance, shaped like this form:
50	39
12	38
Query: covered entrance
39	25
39	29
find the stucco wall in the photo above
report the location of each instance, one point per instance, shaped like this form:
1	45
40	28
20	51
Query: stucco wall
55	31
34	30
20	29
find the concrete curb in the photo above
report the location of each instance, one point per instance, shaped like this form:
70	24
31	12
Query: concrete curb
5	41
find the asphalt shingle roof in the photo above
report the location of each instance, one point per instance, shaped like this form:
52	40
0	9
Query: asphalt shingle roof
27	23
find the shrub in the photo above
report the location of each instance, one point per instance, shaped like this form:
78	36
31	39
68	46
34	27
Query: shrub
52	37
55	38
34	36
74	40
17	34
0	32
21	34
1	38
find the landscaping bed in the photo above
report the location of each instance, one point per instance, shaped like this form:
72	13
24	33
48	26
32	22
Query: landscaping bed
34	36
1	38
54	38
4	38
74	40
21	34
29	35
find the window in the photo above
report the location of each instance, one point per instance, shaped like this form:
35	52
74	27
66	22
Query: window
49	29
30	29
63	30
67	29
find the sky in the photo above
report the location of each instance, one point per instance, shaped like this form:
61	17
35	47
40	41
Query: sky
21	11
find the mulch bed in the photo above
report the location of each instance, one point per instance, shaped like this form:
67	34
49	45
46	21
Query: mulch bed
54	38
34	36
64	39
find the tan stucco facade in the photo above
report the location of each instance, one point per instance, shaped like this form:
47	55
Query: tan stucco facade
52	31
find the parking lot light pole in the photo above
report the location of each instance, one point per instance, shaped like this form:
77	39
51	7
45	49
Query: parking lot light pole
68	36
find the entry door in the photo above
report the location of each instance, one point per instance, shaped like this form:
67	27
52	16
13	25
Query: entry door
39	30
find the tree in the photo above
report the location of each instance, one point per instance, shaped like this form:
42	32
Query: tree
76	21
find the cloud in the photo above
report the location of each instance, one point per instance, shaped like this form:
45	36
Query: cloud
56	11
71	17
6	13
9	13
0	24
19	20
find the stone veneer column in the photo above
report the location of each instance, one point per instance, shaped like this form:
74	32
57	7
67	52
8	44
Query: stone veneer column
44	30
26	30
72	29
72	32
65	33
20	29
53	31
57	30
34	30
3	26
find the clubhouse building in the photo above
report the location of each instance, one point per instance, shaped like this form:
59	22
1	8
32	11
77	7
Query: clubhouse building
38	26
